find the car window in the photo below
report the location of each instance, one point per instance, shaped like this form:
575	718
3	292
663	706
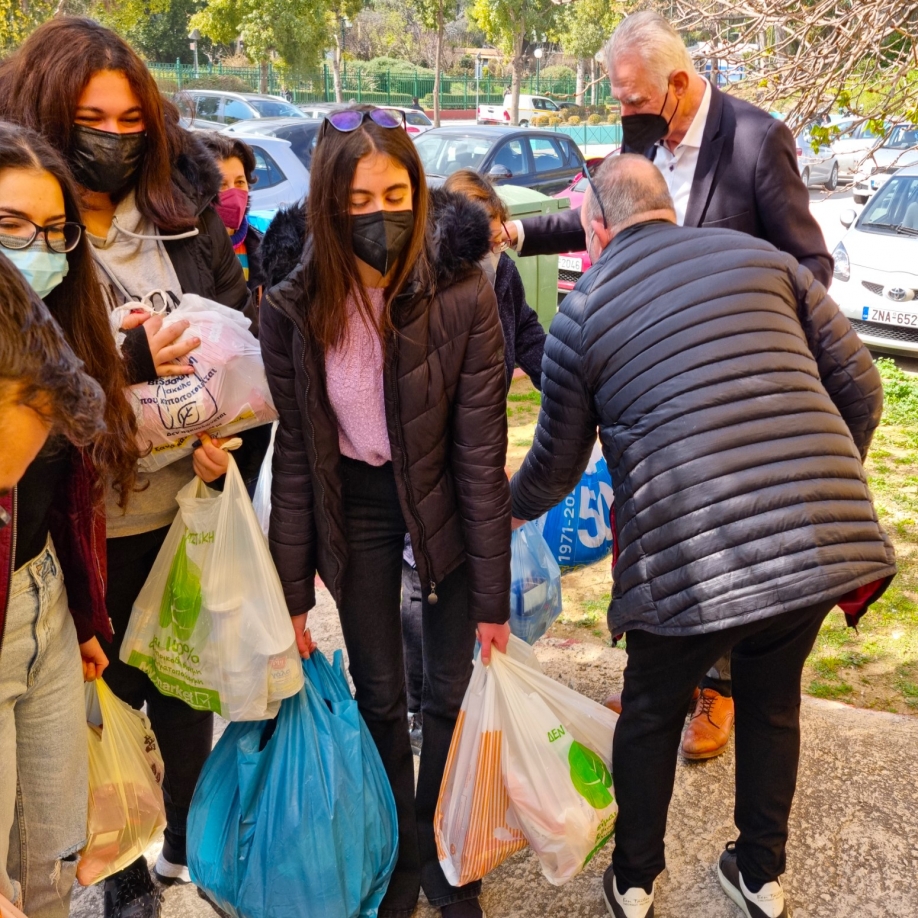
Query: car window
418	118
571	154
267	171
538	103
442	155
549	106
206	106
234	110
511	157
546	154
895	204
864	133
902	137
302	141
274	108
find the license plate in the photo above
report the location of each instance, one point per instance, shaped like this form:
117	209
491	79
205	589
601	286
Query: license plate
889	316
570	264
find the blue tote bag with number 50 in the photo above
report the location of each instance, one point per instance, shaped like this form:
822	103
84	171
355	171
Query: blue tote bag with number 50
579	529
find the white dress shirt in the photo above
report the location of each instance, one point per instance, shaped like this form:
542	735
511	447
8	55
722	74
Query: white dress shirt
678	167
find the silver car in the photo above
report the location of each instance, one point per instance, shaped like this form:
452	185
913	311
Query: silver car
819	166
229	107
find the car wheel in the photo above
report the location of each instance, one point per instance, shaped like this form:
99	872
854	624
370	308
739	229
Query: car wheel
860	199
832	184
524	124
805	178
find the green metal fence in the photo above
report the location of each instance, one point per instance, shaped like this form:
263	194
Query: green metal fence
380	87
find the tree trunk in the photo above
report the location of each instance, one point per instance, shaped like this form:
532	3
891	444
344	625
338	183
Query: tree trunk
336	67
579	89
438	63
592	81
263	75
516	68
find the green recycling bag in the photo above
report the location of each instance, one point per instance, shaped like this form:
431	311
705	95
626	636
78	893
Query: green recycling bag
210	625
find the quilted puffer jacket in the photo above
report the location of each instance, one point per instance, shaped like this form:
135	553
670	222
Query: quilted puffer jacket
445	395
735	407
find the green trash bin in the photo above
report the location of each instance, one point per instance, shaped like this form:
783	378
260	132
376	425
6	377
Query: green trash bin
539	272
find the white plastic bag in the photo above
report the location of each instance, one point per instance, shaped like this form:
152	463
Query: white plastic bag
210	625
261	500
126	808
552	785
226	394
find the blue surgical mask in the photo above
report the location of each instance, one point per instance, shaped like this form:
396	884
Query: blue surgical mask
41	267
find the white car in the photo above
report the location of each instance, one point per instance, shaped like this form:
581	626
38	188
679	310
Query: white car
850	149
281	178
530	107
899	150
876	267
416	122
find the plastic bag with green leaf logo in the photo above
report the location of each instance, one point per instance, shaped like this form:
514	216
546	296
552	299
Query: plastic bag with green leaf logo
557	754
210	625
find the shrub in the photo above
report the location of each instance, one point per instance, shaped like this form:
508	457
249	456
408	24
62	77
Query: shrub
540	121
166	85
574	120
594	120
225	81
553	120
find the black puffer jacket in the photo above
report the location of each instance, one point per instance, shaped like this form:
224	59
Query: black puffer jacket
735	406
445	396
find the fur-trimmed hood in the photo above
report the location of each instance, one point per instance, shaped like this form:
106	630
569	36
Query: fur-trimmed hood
196	173
459	230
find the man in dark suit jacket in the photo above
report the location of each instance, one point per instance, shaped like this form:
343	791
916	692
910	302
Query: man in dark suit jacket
746	177
727	165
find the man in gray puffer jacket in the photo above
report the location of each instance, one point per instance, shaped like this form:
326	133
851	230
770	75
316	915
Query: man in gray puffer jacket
735	407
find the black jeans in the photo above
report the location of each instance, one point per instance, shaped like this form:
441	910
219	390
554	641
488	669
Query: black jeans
185	736
661	673
370	620
413	634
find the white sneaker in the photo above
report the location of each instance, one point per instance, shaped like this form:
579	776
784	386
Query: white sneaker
768	902
635	903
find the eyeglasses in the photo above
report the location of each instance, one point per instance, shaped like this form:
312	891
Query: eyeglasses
5	518
597	198
20	233
349	119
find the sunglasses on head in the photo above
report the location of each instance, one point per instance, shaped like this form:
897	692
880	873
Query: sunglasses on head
349	119
596	197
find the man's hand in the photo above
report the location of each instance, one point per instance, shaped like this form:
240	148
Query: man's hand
94	659
515	523
164	348
496	635
209	461
510	235
304	642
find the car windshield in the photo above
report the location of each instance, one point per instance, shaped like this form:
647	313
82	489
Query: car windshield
894	207
418	118
903	137
443	155
582	185
272	108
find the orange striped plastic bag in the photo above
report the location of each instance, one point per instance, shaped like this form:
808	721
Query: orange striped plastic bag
474	824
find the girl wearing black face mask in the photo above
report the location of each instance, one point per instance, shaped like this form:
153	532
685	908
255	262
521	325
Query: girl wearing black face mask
145	190
385	356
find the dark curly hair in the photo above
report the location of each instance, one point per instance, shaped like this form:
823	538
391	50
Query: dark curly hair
38	368
224	147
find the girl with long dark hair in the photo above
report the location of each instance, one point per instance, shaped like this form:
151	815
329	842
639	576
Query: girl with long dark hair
385	356
145	189
53	556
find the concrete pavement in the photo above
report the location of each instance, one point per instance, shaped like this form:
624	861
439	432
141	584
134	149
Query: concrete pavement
854	830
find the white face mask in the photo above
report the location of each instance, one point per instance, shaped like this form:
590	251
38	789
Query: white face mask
488	264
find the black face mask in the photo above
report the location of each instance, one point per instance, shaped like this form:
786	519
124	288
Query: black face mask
102	161
378	238
640	133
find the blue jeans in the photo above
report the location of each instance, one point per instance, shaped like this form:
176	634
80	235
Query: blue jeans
44	766
370	620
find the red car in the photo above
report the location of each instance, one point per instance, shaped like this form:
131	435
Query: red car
573	265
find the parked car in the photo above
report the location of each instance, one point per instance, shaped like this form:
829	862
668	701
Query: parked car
301	132
200	124
819	166
229	107
530	107
876	267
541	160
320	109
281	178
415	122
852	147
899	150
573	265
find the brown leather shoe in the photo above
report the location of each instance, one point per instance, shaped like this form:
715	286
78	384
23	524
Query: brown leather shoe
709	729
614	702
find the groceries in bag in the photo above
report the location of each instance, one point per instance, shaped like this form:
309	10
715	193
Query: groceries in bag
554	763
579	530
226	394
210	625
126	809
535	584
296	816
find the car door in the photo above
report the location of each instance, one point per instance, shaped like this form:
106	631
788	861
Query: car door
511	154
236	110
550	175
207	107
273	188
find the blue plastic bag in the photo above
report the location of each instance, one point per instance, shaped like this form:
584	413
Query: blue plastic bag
579	530
295	816
535	584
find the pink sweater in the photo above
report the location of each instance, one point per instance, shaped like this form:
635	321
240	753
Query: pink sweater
354	377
